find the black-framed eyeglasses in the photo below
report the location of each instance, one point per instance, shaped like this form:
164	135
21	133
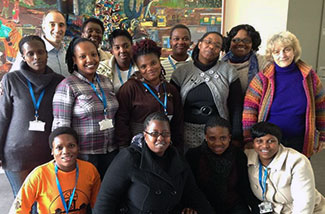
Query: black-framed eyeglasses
156	134
238	40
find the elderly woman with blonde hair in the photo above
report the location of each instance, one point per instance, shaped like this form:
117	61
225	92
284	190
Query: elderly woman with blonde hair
289	94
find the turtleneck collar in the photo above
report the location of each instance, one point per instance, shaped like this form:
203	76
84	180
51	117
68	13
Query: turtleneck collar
290	68
39	81
204	67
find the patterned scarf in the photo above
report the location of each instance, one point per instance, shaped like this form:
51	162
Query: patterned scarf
253	63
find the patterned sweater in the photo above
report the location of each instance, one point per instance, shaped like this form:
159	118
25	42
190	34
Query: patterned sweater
259	98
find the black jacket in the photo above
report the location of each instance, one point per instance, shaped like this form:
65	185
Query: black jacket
223	178
136	182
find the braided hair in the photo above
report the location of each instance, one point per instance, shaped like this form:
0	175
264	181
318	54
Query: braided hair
70	52
144	47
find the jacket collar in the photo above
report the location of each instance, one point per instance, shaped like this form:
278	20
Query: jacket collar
275	164
148	164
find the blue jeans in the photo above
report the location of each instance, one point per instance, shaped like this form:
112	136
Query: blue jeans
16	180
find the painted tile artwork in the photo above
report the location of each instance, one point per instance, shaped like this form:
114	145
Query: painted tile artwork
142	18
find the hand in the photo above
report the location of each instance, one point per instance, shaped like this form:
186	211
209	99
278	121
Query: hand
189	211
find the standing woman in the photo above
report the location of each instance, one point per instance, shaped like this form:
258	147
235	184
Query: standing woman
241	45
146	92
208	88
85	101
287	93
26	112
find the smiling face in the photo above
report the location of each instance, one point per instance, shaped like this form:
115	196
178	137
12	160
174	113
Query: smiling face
150	68
210	48
122	51
266	148
65	152
86	58
159	144
35	55
54	28
94	32
180	42
218	139
241	44
283	55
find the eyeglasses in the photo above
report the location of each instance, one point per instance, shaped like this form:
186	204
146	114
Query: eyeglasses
214	44
157	134
238	40
284	50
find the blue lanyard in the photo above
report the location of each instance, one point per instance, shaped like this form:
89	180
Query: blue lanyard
38	102
101	97
171	62
263	185
60	189
155	96
119	73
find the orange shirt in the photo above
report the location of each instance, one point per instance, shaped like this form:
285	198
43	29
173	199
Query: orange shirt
40	186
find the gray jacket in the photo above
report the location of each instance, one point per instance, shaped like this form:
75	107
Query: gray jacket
220	77
21	149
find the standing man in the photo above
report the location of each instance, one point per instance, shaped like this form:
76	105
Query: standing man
180	42
54	27
93	29
120	67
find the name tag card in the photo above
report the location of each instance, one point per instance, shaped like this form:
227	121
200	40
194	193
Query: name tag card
105	124
36	125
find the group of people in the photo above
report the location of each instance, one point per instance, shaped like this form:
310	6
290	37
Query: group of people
130	133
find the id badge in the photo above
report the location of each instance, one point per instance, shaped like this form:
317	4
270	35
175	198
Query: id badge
36	125
265	207
105	124
170	117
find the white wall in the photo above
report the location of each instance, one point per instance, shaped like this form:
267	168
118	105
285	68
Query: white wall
266	16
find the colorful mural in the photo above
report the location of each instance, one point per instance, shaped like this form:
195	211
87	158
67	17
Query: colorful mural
142	18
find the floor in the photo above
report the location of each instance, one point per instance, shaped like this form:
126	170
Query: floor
318	163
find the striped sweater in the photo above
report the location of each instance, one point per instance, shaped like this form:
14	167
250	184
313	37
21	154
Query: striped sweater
259	98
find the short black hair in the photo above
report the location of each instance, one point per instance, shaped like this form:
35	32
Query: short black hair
144	47
252	33
62	130
177	27
155	116
28	39
94	20
196	49
70	52
117	33
217	121
264	128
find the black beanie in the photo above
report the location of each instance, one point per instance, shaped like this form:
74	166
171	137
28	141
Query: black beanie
62	130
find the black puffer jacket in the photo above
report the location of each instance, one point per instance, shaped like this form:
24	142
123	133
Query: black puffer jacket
136	182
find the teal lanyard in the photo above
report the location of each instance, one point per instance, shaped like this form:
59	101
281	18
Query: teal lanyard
38	102
60	189
120	75
101	97
262	182
156	97
171	62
